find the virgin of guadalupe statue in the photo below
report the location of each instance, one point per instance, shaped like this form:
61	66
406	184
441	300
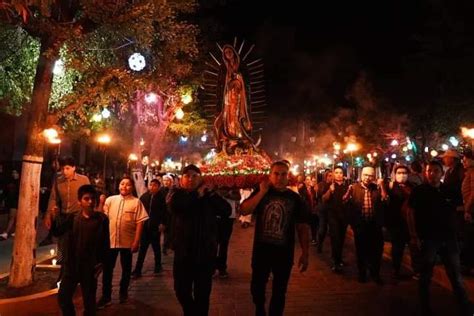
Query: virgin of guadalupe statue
232	125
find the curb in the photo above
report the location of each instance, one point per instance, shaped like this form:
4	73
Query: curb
25	298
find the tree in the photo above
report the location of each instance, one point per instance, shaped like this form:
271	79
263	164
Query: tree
95	38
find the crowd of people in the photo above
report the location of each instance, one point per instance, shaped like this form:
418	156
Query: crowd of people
427	208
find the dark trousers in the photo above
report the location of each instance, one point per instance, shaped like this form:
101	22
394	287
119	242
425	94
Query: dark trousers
314	224
193	285
149	236
262	265
400	237
167	239
449	253
323	226
125	263
467	251
369	247
224	231
68	286
337	231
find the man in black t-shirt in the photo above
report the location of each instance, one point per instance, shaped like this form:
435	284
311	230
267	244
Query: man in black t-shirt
279	211
435	222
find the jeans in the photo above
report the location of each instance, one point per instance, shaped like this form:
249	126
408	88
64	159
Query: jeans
149	236
368	239
126	264
224	231
262	264
337	231
193	285
86	277
449	253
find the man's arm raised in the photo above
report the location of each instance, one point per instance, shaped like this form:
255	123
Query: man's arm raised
250	204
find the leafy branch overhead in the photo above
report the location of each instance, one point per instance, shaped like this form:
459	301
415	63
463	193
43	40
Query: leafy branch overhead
96	39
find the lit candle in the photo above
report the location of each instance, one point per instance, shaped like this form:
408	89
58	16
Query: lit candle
52	252
54	262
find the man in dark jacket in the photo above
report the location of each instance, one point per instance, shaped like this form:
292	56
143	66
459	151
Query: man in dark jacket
155	205
366	218
194	210
85	251
435	220
337	214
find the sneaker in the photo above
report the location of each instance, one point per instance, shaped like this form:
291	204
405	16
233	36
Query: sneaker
12	234
314	242
223	274
123	298
103	303
4	236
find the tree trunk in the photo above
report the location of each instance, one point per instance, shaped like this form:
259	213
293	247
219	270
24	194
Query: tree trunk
24	247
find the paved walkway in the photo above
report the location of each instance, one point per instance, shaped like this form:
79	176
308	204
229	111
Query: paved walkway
315	292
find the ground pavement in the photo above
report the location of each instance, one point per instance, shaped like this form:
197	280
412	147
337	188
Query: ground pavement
315	292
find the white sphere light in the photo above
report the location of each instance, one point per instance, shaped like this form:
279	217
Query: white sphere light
105	113
184	139
204	138
136	62
445	147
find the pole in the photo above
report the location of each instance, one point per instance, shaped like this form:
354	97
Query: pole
105	162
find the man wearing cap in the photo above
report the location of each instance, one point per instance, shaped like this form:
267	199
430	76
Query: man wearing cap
279	213
366	218
194	211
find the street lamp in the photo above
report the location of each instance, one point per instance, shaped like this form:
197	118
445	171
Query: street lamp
104	140
351	147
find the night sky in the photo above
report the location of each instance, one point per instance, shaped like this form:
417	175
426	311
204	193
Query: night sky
416	54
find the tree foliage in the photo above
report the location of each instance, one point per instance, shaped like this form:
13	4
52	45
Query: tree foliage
95	56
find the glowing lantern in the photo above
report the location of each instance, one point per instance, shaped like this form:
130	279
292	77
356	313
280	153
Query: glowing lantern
96	117
394	142
444	147
434	153
58	69
186	98
151	98
50	133
179	114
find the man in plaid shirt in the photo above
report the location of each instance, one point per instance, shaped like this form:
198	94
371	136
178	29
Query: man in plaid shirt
366	218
